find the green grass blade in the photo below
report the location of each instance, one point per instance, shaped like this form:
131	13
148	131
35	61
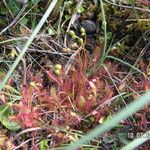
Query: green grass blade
104	24
37	29
126	63
108	124
135	143
134	10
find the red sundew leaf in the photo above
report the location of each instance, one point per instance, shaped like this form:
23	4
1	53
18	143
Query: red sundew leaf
35	79
106	99
99	84
88	106
67	86
112	69
142	66
97	53
2	97
147	85
75	83
27	117
143	121
57	122
27	120
46	101
26	94
63	95
82	61
80	83
71	118
55	97
94	112
148	69
54	77
81	102
97	114
93	88
135	96
10	81
122	87
139	86
146	2
30	119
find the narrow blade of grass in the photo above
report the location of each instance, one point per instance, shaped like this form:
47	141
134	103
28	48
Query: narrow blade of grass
126	63
104	24
37	29
107	125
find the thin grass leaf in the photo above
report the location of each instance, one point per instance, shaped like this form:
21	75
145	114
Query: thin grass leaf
37	29
44	145
126	63
108	124
134	10
104	25
11	89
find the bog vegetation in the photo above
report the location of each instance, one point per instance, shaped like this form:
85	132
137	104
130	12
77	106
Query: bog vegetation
73	74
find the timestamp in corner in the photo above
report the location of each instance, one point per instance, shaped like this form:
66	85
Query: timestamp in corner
132	135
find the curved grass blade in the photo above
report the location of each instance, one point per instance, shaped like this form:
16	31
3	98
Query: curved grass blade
126	63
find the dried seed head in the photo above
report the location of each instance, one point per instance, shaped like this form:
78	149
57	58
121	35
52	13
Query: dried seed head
80	40
58	66
82	30
57	72
71	32
81	102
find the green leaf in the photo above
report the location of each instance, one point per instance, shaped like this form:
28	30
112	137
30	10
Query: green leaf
80	9
24	21
2	22
11	89
51	31
68	3
109	35
67	17
44	145
3	11
35	1
14	6
4	113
